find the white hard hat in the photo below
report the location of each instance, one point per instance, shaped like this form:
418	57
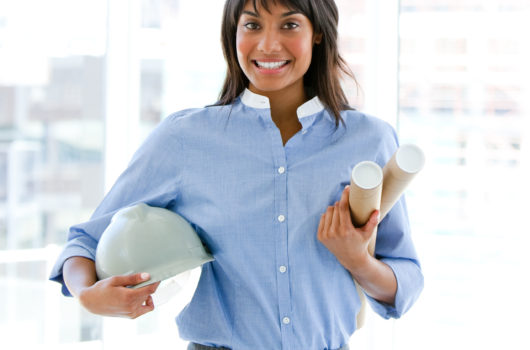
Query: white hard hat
141	238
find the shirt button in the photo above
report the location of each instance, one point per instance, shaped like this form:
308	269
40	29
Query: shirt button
283	269
304	132
286	320
281	170
281	218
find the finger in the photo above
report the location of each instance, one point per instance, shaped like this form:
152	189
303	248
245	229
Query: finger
155	286
344	210
142	310
150	288
150	302
130	305
320	235
142	292
327	222
130	280
368	229
335	220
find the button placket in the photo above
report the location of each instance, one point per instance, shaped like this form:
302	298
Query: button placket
281	230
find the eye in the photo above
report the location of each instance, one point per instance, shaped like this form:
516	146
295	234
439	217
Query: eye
290	25
251	25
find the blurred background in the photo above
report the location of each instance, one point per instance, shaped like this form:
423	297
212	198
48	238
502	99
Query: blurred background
83	82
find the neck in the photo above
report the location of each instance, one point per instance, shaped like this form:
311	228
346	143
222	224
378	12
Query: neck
284	103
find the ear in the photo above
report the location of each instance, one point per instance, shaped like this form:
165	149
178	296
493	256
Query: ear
317	39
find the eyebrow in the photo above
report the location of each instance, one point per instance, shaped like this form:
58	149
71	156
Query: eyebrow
286	14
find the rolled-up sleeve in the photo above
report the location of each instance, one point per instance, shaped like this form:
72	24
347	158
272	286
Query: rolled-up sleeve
410	284
151	177
395	248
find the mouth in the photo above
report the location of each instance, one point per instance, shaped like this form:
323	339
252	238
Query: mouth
270	65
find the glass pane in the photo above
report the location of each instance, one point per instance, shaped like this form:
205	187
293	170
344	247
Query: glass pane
51	119
51	157
352	46
463	91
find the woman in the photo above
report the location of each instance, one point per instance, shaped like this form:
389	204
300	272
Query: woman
263	176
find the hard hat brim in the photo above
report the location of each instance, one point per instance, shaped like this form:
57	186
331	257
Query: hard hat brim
170	270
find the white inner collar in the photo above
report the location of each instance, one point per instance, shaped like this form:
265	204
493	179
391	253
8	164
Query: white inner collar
261	102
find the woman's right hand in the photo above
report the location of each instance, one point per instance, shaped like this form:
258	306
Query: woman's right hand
112	297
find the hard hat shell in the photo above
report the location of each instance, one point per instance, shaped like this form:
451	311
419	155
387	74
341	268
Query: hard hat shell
141	238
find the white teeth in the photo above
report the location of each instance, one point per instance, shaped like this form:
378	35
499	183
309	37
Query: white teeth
271	65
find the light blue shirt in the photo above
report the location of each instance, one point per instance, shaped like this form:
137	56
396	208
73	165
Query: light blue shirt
256	204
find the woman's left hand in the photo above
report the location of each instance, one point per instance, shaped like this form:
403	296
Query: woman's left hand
349	244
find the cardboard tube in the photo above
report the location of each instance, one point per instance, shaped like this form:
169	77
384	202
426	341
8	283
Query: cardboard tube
398	173
365	197
365	194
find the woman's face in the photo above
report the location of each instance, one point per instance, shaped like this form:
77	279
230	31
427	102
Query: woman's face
274	49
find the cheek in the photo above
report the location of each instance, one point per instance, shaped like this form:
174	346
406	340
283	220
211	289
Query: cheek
302	50
243	46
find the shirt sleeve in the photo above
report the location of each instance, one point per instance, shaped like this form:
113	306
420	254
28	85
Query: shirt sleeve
395	248
151	177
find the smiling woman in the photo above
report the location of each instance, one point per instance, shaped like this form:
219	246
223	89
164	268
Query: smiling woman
259	175
155	71
463	102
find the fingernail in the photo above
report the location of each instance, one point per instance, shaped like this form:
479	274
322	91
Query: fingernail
144	276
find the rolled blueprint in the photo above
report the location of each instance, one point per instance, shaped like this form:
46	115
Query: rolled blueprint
365	197
365	194
398	173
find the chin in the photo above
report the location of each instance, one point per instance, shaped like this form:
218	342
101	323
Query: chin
269	87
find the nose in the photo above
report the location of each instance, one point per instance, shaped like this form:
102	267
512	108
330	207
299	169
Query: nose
269	41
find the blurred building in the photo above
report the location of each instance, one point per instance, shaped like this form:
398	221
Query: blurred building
464	96
464	91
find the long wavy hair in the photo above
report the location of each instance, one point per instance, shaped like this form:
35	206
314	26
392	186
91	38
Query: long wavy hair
323	77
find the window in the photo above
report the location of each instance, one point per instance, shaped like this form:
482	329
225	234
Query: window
467	207
83	82
51	158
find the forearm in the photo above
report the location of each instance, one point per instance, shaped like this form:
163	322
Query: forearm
79	273
376	278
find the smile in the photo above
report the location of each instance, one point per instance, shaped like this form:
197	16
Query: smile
270	65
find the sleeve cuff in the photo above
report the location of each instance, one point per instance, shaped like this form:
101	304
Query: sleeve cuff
82	246
409	286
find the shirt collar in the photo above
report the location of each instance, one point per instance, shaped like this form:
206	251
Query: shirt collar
254	100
